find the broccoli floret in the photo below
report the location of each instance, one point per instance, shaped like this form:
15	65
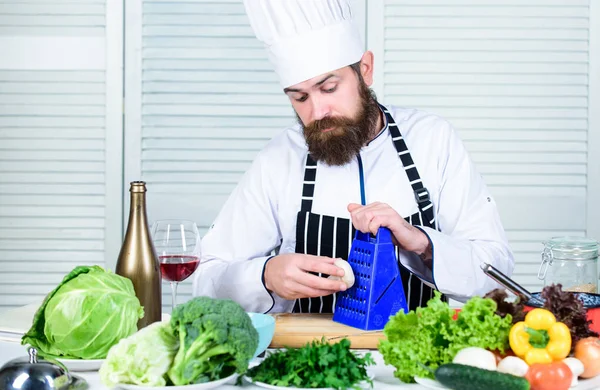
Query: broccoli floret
216	339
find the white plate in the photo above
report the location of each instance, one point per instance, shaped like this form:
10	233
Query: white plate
268	386
79	365
430	383
82	364
199	386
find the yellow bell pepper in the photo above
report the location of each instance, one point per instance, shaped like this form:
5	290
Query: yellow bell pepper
540	338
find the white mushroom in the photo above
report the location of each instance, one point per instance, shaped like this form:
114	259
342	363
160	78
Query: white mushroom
576	367
348	277
513	365
476	357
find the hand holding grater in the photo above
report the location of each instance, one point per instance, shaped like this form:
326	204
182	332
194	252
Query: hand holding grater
378	292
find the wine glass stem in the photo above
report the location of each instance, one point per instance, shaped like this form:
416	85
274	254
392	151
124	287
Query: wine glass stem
173	295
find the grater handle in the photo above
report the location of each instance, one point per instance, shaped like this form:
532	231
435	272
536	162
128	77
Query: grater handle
384	235
360	236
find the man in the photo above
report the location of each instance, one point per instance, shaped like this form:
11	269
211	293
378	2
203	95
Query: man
348	164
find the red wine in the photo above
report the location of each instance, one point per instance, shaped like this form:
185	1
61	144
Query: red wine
177	268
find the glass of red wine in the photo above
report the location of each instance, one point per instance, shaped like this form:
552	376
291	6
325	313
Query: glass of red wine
177	244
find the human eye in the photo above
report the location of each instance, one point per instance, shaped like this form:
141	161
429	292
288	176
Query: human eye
330	89
301	99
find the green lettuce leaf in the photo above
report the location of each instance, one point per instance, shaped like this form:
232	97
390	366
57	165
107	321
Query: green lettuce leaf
420	341
85	315
35	335
417	340
477	325
141	359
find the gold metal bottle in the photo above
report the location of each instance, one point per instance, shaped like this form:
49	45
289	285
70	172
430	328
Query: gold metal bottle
138	260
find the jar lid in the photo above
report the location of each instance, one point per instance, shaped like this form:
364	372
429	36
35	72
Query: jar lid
573	248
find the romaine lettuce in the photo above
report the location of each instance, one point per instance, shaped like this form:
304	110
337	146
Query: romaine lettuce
141	359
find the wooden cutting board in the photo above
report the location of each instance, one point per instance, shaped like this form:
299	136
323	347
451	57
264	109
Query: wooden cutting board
295	330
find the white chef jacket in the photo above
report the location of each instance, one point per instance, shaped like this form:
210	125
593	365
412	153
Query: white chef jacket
259	217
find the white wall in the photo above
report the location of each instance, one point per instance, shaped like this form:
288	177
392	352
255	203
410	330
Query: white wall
60	141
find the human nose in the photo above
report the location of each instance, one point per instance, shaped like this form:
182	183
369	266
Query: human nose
320	108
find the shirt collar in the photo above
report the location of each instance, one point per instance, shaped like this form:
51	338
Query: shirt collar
383	129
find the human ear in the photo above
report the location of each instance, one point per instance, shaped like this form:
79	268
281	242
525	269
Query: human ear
367	63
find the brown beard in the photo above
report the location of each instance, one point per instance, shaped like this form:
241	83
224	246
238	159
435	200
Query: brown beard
340	145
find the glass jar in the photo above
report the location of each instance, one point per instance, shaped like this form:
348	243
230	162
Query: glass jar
572	262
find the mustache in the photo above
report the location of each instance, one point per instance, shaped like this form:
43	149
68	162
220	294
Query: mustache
319	125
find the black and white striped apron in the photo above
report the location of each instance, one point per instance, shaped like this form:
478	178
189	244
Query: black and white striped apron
324	235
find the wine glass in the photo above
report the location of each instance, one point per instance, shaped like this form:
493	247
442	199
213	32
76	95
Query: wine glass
177	244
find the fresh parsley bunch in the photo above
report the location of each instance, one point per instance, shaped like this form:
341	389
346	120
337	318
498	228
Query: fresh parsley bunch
317	364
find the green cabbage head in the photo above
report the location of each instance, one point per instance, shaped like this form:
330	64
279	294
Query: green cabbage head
85	315
141	359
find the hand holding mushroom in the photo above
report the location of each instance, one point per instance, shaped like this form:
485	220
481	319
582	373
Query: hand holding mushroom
295	275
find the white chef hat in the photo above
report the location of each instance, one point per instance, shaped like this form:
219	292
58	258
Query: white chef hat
306	38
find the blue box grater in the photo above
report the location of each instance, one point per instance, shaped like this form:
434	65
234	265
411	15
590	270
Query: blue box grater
377	292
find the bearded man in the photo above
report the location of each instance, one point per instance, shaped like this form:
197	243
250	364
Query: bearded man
350	163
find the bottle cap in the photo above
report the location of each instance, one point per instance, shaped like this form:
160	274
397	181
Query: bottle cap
137	186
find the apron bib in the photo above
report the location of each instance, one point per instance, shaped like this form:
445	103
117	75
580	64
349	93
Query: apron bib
325	235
